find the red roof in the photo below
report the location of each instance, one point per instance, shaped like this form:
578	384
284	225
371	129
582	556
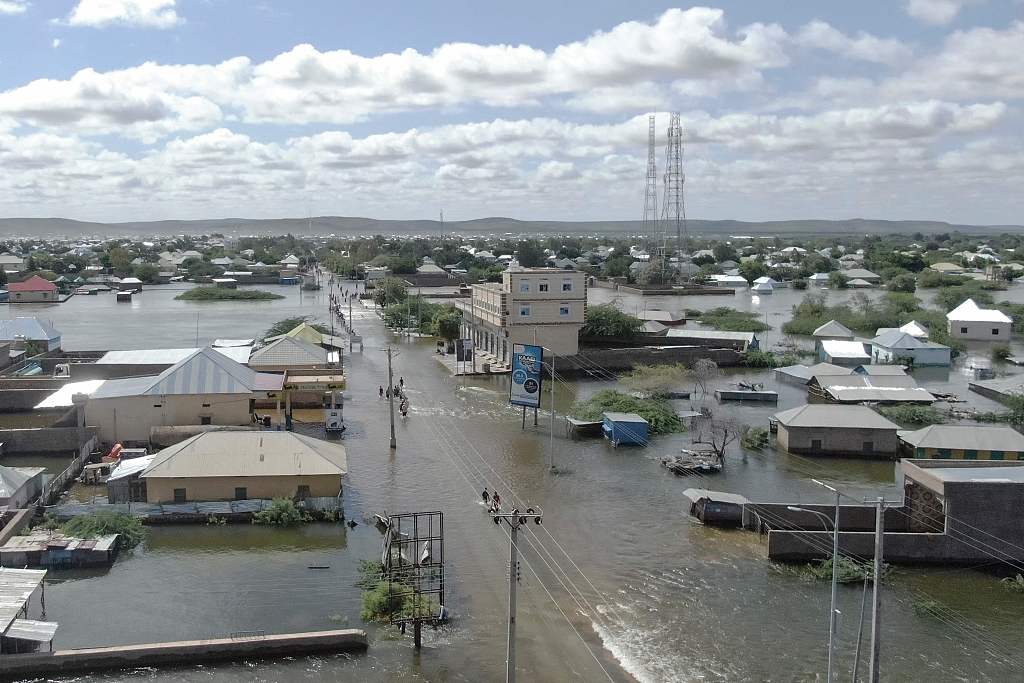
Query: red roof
33	284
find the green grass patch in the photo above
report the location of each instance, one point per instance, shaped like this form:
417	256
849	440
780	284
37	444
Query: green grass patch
223	294
725	319
768	359
129	529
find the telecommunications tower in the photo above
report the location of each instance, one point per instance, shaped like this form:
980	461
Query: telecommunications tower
651	226
673	214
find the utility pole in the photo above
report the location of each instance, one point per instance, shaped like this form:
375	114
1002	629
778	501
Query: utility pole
876	616
514	519
551	446
832	613
391	398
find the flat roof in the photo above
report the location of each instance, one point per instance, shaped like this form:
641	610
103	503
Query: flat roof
237	353
30	629
62	397
712	334
624	417
16	587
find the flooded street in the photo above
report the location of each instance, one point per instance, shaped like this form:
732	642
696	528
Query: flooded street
664	598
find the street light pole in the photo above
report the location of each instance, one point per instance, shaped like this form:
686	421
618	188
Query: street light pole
835	557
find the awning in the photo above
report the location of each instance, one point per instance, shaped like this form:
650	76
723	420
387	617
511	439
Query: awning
29	629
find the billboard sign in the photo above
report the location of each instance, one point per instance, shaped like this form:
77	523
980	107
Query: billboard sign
463	350
526	369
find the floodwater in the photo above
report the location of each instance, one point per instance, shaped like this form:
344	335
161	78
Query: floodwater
659	598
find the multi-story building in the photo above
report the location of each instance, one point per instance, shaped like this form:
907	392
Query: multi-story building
542	306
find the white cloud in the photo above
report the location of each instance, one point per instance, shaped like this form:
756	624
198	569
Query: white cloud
142	13
863	46
936	12
13	6
55	43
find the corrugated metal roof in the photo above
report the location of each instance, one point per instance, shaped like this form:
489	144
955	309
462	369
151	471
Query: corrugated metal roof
808	372
969	311
880	394
29	629
841	348
13	478
248	454
62	397
858	380
624	417
127	468
32	329
16	587
306	333
288	351
237	353
711	334
820	415
973	437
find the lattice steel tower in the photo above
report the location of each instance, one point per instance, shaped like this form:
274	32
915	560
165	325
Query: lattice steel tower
651	226
673	215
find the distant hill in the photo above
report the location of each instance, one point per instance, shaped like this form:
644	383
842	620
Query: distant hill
352	226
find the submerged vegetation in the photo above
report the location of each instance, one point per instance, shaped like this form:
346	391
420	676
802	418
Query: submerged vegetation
282	512
755	438
605	320
222	294
725	319
913	415
129	529
769	359
658	412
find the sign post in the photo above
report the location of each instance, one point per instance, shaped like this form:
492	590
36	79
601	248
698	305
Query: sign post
524	389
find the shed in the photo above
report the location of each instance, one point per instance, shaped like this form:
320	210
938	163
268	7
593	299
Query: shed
963	442
625	429
895	346
762	288
842	352
969	321
715	508
833	329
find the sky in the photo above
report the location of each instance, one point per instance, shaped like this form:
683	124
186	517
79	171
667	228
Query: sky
124	110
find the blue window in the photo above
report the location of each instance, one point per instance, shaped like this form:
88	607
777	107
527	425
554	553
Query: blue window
563	310
944	453
970	454
524	311
997	455
524	286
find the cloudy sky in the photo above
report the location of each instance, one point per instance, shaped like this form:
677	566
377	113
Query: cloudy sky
153	109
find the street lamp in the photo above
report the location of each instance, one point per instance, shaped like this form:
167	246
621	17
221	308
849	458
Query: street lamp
835	566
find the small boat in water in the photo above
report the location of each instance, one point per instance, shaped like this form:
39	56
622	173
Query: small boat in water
692	462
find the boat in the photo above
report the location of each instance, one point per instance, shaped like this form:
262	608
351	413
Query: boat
692	462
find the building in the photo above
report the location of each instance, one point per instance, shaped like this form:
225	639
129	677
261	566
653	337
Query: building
19	632
734	281
962	442
47	548
913	328
842	352
835	430
34	290
288	353
802	374
947	268
862	274
245	465
19	486
895	346
833	329
713	339
860	388
11	263
1000	389
206	387
968	321
624	429
542	306
19	330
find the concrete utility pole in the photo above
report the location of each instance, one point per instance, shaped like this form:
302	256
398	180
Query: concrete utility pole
876	616
833	615
514	519
551	442
391	398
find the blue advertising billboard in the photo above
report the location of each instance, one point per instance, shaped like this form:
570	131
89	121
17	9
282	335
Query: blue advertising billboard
526	368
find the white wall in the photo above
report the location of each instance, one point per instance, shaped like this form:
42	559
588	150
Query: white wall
130	418
979	331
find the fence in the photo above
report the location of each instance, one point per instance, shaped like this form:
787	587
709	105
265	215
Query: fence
54	487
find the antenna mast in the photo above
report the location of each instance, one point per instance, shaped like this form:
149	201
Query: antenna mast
651	226
673	215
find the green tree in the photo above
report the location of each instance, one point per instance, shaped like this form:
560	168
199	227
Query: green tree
903	283
147	272
605	320
724	252
120	261
448	323
530	254
837	280
751	270
618	266
388	291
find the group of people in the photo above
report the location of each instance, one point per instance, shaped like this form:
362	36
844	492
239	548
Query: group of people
398	391
491	500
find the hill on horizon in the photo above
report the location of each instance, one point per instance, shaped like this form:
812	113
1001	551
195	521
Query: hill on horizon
353	226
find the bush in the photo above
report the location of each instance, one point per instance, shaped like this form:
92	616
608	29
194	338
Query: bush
903	283
1015	311
917	415
657	380
1000	352
388	291
129	529
286	325
800	284
1013	583
837	280
282	512
660	415
767	359
605	320
222	294
755	439
726	319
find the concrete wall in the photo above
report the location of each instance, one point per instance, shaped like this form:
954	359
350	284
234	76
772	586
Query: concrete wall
919	357
979	331
22	400
900	548
625	359
129	418
837	441
44	439
34	297
161	490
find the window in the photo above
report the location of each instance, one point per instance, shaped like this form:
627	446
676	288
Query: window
524	311
869	446
920	452
943	453
995	331
241	493
303	492
816	444
997	455
566	285
970	454
542	287
524	286
563	310
963	330
205	420
179	495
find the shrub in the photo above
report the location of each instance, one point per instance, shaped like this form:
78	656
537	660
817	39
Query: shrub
286	325
657	380
837	280
755	439
129	529
1001	351
919	415
903	283
800	284
222	294
605	320
767	359
726	319
282	512
659	413
1013	583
